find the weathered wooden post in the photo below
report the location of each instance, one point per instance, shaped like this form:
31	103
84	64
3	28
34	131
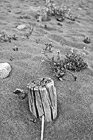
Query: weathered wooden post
43	100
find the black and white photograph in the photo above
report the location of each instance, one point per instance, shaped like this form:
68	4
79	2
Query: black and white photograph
46	69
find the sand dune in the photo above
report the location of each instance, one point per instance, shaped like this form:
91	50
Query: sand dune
75	99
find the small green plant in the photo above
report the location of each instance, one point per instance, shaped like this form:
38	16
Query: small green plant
49	47
87	40
4	37
51	9
58	67
72	62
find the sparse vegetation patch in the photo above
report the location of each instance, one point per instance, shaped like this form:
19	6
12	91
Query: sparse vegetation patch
51	9
72	63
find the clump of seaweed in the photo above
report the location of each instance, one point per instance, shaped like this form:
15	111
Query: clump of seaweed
72	63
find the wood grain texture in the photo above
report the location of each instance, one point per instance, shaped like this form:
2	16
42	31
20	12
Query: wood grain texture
43	100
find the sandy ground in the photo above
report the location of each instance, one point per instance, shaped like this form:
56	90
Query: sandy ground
75	99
